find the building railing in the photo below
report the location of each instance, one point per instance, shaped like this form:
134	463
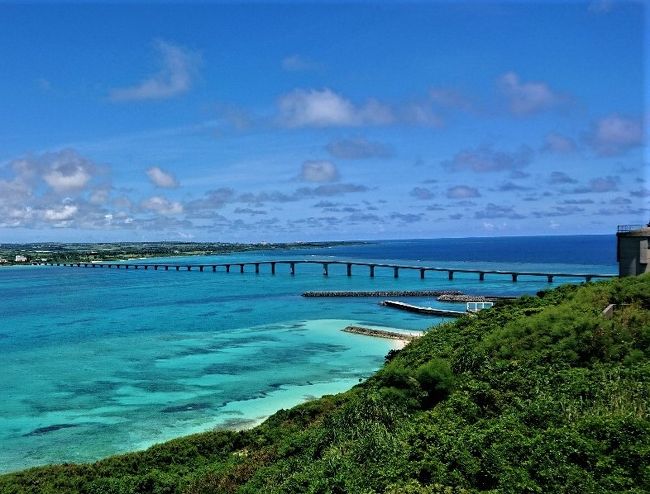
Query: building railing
629	228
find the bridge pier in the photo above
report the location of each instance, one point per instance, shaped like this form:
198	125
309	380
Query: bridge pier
326	269
155	268
178	268
272	268
227	268
395	272
349	269
422	274
201	269
189	268
241	268
257	268
481	276
549	278
214	269
166	268
372	270
588	278
450	275
514	277
293	268
136	266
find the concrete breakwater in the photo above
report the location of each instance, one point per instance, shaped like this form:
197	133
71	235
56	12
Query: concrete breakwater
380	333
383	293
471	298
422	310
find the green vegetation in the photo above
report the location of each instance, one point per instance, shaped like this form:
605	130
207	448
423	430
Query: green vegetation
538	395
81	252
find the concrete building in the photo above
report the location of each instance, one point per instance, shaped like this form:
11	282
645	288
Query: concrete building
20	258
632	251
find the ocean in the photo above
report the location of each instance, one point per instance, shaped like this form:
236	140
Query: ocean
98	362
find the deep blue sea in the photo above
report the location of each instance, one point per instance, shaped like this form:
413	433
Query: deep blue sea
97	362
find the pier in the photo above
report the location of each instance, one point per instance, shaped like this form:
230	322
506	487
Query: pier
292	268
430	311
384	293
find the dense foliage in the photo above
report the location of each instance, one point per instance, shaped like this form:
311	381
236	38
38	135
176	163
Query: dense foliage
541	394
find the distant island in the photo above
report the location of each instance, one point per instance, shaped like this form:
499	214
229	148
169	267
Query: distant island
17	254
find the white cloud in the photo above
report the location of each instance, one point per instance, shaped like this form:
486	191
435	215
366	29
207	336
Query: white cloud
615	134
559	144
325	108
63	171
462	192
525	98
319	171
62	213
162	206
485	159
176	76
161	178
298	63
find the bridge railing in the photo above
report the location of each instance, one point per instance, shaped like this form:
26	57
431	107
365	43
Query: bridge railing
629	228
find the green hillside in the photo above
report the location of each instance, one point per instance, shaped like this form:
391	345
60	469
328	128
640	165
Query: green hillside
542	395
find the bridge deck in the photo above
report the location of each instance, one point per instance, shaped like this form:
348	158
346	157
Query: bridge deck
325	264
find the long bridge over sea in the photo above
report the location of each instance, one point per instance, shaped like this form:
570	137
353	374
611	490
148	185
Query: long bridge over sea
349	265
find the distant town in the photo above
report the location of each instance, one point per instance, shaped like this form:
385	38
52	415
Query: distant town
17	254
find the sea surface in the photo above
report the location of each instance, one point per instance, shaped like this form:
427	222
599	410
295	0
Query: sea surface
96	362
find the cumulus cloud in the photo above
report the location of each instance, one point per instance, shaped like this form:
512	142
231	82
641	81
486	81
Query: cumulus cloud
357	149
163	206
178	70
599	185
491	211
559	144
462	192
325	108
422	193
485	159
526	98
615	134
161	178
319	171
512	187
558	178
61	213
407	218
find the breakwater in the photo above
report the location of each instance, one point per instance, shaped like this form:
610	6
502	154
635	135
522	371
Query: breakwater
383	293
422	310
380	333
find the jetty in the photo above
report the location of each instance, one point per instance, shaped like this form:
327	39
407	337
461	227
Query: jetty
326	265
430	311
384	293
380	333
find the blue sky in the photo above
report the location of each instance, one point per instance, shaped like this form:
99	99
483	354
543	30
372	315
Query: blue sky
285	122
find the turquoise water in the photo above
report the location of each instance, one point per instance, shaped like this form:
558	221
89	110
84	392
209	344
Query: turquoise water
97	361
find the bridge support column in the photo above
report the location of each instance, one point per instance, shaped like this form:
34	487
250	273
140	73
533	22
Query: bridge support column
514	276
451	275
189	268
293	268
549	278
155	268
421	274
349	269
257	268
481	276
227	268
146	267
214	269
136	266
326	269
241	268
201	268
178	268
272	268
85	265
166	268
395	272
588	278
372	270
